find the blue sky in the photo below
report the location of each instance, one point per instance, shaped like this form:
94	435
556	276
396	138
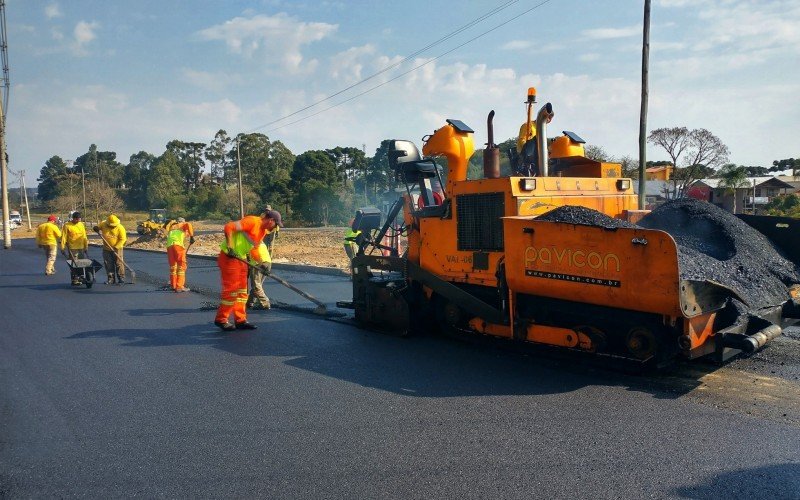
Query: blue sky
133	75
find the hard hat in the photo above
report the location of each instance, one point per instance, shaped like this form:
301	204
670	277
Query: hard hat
274	215
180	219
52	218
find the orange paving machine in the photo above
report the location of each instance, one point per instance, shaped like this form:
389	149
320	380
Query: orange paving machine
477	260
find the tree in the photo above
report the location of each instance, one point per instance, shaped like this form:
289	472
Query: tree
596	153
253	150
101	165
704	151
630	166
190	160
785	206
135	177
674	140
733	177
216	154
315	182
787	164
102	200
52	172
277	191
164	181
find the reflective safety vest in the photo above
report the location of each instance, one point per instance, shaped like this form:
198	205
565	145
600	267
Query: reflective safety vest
350	234
175	237
263	253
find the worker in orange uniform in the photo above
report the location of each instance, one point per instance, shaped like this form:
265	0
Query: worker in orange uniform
75	241
114	238
176	252
47	236
242	239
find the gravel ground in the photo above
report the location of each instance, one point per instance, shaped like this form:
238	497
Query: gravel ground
317	246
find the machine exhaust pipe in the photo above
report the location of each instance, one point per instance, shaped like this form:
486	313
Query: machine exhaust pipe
754	342
491	155
542	119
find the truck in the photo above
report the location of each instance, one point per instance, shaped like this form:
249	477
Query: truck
560	256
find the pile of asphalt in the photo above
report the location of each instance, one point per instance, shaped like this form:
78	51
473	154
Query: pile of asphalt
714	244
583	216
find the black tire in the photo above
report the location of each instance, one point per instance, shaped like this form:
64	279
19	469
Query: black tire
89	284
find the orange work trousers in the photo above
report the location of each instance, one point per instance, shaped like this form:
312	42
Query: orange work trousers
234	289
176	255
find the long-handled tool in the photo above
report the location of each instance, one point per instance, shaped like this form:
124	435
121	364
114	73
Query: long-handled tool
321	309
133	273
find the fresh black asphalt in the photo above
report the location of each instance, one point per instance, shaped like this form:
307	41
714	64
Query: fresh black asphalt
124	391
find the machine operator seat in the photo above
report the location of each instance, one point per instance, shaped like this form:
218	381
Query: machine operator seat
405	159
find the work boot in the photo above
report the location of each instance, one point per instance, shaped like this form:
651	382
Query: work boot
225	326
182	289
121	281
244	325
110	279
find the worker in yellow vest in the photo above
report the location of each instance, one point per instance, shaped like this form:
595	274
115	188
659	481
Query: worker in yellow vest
257	297
47	236
114	238
350	246
176	252
75	242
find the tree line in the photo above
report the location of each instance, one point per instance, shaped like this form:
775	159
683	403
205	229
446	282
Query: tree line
200	180
319	187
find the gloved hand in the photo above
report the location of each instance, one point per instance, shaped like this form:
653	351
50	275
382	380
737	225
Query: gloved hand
230	253
266	268
96	229
191	240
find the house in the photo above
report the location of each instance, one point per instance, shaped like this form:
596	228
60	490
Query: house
656	192
751	197
661	173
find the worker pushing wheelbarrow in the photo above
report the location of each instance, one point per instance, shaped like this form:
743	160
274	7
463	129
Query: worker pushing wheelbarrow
75	247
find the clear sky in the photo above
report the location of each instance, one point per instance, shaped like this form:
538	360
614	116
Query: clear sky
133	75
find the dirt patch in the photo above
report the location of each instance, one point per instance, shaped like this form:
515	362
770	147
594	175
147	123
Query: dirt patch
315	246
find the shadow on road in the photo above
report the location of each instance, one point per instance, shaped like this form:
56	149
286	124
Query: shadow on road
773	481
421	366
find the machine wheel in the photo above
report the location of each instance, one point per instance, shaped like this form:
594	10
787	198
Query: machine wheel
449	316
642	343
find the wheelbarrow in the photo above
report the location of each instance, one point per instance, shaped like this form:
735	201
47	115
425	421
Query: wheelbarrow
82	271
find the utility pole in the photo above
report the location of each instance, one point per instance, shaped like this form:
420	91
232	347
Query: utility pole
27	209
239	167
643	114
4	183
83	184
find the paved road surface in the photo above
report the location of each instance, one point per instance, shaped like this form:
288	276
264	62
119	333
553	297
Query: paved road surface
122	391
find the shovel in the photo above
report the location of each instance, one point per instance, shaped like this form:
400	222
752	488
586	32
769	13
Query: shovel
321	309
133	273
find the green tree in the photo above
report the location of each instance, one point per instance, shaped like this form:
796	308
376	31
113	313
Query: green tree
315	181
253	152
190	160
135	179
52	172
787	164
277	190
164	182
101	165
216	154
733	177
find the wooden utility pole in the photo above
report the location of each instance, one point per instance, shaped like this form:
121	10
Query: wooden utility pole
239	163
643	114
4	175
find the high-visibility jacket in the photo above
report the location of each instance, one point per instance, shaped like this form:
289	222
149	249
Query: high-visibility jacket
246	235
48	234
73	236
177	233
114	233
263	254
350	234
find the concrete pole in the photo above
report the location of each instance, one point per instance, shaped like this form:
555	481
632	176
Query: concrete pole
239	164
643	114
27	209
4	183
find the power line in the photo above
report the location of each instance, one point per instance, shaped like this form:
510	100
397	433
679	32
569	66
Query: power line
392	66
406	72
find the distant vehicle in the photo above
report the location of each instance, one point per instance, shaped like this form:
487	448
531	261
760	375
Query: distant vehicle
14	218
